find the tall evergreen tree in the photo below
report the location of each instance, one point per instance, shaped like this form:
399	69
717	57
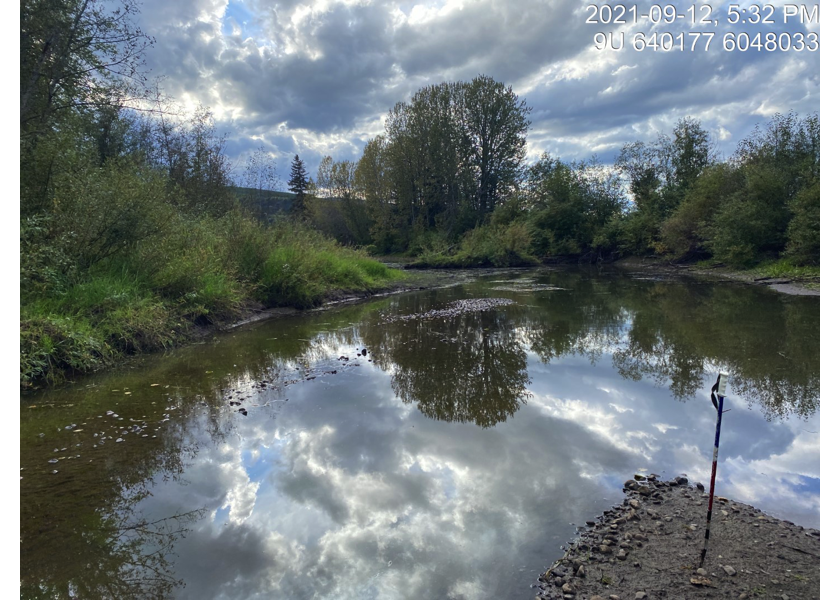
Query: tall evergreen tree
298	185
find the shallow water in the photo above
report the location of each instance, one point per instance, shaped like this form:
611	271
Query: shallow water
453	459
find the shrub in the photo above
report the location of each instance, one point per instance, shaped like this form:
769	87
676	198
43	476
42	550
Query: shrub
803	232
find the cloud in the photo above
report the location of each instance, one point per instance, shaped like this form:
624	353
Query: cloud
318	78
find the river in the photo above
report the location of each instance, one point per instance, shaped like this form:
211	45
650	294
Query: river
435	444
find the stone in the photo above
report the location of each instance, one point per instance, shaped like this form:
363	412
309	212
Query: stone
700	487
638	477
567	588
581	572
634	503
641	595
729	570
681	480
622	555
701	571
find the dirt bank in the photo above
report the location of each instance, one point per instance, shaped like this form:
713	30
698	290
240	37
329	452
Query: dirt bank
415	281
785	286
649	548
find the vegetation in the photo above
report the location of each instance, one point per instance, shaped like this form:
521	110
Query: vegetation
131	230
447	184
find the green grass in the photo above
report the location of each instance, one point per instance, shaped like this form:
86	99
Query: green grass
784	268
486	246
196	272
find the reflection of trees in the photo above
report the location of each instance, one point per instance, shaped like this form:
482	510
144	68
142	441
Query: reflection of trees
80	536
468	368
675	333
83	538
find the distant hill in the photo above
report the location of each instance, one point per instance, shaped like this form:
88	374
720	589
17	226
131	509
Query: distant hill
264	204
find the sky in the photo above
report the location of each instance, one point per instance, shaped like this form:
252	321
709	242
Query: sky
318	78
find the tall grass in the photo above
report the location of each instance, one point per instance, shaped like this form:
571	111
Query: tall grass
486	246
147	295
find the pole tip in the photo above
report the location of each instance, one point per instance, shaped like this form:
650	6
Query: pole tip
722	384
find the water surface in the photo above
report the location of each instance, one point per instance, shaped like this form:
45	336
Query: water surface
452	459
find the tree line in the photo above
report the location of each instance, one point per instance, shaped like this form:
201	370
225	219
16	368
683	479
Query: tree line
448	181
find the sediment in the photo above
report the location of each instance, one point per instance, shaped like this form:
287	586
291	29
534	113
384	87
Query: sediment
650	547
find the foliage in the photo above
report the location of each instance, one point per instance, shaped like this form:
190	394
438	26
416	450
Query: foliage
486	246
685	234
298	185
803	233
571	205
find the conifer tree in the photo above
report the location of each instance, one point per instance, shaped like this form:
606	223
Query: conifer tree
298	185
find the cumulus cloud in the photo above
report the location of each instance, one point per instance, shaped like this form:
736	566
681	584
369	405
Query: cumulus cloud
317	78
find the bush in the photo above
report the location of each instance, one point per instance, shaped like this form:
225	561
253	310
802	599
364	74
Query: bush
751	223
103	212
487	246
685	234
803	233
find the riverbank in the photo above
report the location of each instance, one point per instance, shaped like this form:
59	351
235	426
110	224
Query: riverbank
792	285
649	547
65	344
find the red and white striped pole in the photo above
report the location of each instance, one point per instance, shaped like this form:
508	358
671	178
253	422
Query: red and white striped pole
718	389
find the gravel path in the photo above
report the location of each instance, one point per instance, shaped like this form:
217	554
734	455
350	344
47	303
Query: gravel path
649	547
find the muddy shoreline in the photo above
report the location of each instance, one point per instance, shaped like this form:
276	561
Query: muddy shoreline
788	286
649	547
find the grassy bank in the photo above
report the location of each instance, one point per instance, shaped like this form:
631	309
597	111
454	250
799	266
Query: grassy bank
194	272
486	246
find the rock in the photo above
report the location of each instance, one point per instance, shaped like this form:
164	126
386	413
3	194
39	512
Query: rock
581	572
681	481
622	555
567	589
729	570
701	571
634	503
638	477
604	549
697	580
641	595
631	484
700	487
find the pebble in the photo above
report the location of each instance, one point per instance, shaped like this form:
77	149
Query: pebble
729	570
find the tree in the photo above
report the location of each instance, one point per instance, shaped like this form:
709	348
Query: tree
76	54
455	152
496	122
298	185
